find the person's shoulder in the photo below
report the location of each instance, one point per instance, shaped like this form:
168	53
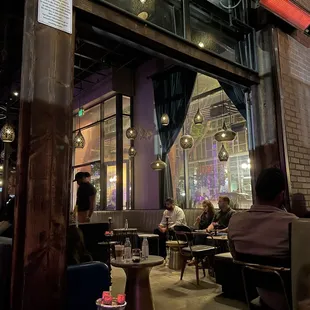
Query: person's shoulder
179	209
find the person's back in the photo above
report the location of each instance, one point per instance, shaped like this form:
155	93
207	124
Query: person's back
261	235
261	231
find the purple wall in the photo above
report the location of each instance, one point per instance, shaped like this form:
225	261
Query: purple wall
146	180
92	92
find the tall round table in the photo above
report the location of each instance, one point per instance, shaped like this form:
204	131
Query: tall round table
138	290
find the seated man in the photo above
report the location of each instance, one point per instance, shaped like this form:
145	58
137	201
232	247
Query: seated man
261	235
174	215
222	217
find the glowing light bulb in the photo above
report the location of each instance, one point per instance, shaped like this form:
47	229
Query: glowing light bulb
201	45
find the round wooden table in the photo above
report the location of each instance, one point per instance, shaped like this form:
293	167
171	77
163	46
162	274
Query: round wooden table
138	290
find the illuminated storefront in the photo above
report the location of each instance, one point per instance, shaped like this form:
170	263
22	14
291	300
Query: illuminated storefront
198	173
105	154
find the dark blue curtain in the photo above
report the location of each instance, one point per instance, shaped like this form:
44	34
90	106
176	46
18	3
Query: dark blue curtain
236	95
172	93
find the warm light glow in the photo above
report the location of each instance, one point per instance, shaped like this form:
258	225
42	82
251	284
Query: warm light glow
185	140
244	166
15	94
288	11
142	1
143	15
157	164
1	167
223	135
201	45
1	182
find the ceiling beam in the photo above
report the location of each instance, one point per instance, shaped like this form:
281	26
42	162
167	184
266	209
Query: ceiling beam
161	42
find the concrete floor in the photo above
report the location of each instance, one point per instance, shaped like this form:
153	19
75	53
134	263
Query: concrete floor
172	294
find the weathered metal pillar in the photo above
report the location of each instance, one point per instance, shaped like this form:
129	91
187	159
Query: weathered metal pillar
44	166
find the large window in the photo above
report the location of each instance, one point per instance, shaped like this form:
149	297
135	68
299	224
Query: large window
108	164
197	173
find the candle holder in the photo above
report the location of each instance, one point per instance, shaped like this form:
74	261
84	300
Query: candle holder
100	306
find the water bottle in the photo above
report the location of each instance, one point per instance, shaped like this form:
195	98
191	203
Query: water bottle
145	248
126	224
127	250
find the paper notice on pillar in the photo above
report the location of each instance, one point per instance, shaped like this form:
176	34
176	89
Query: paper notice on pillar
56	14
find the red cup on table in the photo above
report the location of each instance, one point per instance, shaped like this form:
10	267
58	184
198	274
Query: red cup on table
121	299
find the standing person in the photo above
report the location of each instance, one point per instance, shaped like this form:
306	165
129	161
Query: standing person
175	216
86	198
223	216
261	235
87	177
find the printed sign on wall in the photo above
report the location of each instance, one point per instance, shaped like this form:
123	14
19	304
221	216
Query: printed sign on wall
56	14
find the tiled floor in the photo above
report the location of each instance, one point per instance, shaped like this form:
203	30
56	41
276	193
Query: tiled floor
172	294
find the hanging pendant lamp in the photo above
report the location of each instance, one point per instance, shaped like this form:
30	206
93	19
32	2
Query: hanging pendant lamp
132	152
225	134
79	140
131	133
7	133
186	142
158	164
164	120
198	118
223	154
143	8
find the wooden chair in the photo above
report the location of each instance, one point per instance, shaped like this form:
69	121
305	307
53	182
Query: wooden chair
265	277
198	252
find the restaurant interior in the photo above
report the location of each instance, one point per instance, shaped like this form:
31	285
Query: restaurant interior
146	128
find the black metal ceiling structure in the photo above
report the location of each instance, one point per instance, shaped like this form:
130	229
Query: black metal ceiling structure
95	56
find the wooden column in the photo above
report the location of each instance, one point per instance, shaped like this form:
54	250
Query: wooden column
44	166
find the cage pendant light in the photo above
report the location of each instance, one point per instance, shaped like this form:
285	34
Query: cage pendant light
223	154
79	140
186	142
7	133
224	134
158	164
198	118
131	133
164	120
132	152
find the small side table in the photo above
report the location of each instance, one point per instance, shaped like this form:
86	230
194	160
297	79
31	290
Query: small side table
175	259
138	290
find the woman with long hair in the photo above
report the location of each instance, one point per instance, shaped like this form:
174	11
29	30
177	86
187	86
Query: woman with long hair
76	250
205	219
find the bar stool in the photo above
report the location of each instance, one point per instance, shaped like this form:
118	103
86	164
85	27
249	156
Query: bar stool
175	257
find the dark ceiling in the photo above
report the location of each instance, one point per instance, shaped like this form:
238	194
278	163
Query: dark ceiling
95	56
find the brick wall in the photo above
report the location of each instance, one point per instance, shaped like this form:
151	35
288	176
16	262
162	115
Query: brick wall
295	84
304	3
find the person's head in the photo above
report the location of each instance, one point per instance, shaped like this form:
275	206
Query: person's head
80	178
75	245
270	187
224	202
208	207
169	204
87	176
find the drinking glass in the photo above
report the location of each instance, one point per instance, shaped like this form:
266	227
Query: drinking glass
119	252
